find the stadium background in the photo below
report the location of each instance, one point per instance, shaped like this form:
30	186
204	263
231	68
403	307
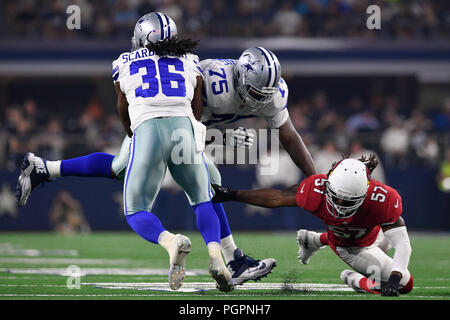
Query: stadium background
351	90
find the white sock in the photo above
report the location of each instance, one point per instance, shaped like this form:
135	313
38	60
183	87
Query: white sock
214	250
228	246
165	240
316	240
54	168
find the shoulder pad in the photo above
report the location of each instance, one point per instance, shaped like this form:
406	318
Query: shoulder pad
279	101
192	57
205	64
385	202
216	63
276	112
310	192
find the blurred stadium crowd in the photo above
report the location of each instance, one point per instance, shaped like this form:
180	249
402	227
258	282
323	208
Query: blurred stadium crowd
113	19
401	136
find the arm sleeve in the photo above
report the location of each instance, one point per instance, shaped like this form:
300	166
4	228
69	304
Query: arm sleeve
398	237
195	67
278	119
115	70
118	71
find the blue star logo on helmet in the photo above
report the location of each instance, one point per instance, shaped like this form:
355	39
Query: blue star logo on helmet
249	66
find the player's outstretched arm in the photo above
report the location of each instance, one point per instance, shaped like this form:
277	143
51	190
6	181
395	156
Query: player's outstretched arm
398	237
122	108
267	198
294	145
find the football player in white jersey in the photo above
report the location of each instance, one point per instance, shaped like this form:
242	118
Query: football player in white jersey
233	89
159	99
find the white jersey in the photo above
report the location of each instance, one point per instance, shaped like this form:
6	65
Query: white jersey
156	86
222	104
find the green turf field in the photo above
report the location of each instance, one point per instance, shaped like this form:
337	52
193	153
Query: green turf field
123	266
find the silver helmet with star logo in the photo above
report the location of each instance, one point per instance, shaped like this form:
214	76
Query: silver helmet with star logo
152	27
257	74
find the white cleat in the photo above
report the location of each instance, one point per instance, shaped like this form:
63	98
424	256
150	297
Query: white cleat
182	247
306	245
352	279
221	275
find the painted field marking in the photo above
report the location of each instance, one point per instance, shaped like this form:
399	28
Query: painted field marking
206	286
33	285
12	249
13	295
102	271
199	286
202	286
67	261
152	295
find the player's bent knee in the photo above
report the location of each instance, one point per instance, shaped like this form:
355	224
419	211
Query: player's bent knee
407	288
194	201
118	169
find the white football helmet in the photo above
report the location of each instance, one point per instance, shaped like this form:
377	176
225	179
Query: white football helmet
346	188
152	27
256	74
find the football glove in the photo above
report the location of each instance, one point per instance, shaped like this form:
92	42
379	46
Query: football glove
239	138
390	288
222	194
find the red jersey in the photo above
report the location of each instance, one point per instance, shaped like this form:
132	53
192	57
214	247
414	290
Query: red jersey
382	205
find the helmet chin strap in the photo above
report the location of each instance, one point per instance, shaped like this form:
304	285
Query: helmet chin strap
147	41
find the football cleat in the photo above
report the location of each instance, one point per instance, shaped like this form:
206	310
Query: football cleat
245	268
306	245
178	256
33	172
221	275
353	280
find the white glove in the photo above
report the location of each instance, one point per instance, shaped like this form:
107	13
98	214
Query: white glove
239	138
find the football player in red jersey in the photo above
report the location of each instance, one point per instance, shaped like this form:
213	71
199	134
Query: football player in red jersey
363	219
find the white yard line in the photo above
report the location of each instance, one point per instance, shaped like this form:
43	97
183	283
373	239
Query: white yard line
67	261
37	253
11	249
33	285
205	286
266	297
100	271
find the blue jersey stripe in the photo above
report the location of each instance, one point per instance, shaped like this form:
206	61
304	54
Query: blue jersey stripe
115	73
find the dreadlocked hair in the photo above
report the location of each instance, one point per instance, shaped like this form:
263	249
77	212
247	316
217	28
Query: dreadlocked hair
172	46
371	162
